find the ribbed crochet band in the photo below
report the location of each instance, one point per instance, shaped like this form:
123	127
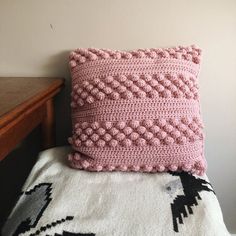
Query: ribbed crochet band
136	110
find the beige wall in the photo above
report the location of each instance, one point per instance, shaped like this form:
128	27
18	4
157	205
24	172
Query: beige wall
35	37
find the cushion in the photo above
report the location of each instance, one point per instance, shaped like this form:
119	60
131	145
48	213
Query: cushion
136	110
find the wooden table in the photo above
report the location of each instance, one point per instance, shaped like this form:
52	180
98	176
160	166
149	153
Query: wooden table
24	104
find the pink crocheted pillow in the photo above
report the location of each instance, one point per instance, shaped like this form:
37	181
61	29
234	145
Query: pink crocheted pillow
136	110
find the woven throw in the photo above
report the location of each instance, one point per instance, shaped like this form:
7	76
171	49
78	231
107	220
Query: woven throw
136	110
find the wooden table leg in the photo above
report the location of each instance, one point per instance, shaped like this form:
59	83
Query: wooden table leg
48	134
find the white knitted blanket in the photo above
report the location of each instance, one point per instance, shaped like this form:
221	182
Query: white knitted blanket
60	201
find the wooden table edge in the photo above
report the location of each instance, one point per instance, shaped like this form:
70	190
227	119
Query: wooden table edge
21	108
20	121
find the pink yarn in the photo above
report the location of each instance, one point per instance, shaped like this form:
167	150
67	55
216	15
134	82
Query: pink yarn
136	110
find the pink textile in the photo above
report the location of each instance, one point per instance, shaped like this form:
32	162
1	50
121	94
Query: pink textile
136	110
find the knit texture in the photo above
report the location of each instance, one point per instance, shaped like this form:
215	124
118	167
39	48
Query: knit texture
59	201
136	110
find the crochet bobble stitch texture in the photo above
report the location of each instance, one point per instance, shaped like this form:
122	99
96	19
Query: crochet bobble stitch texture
136	110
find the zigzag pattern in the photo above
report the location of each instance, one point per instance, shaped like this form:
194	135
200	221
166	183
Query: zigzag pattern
137	133
134	86
81	55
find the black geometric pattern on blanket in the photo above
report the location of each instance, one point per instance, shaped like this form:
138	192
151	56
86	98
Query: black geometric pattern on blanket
30	208
191	188
51	225
65	233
